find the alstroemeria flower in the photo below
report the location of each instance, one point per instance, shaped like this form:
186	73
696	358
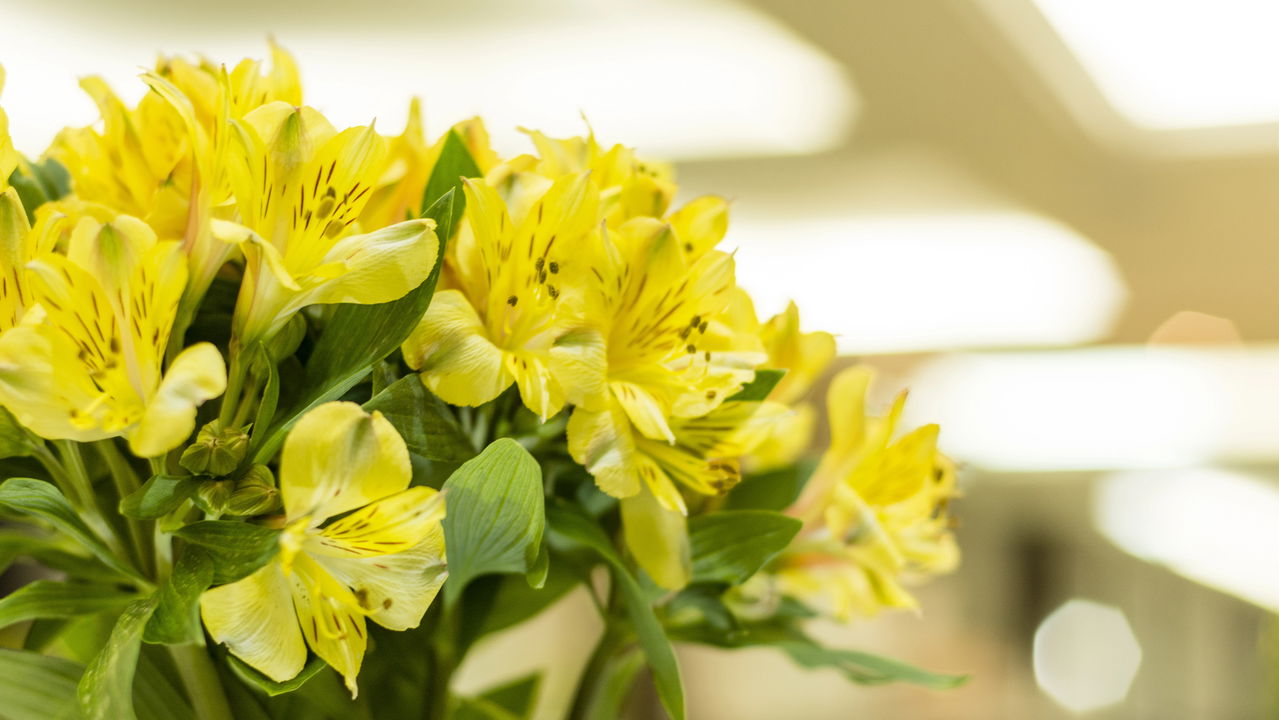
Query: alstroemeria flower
91	367
702	458
300	188
382	560
516	315
209	102
874	511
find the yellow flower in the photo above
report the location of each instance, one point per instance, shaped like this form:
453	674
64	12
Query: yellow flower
210	104
804	357
300	187
8	155
516	314
383	560
874	511
672	361
90	368
702	458
398	194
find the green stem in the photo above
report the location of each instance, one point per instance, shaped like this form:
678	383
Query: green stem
127	483
444	662
608	678
78	477
201	681
234	385
57	473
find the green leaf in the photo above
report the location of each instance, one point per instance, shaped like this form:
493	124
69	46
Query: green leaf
160	495
569	527
732	545
515	601
455	162
14	440
37	687
263	363
865	668
237	549
54	599
424	421
358	336
155	691
50	553
176	620
39	499
269	686
758	389
785	635
514	700
106	690
772	490
495	515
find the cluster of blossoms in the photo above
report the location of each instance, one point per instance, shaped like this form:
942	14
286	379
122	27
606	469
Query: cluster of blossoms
207	236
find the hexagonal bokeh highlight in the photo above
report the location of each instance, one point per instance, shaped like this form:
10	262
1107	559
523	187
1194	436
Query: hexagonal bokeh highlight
1086	655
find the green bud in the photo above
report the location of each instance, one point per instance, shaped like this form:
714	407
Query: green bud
212	495
215	451
255	493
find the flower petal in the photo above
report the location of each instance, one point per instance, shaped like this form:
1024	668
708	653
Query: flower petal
601	442
452	351
254	618
379	266
658	538
196	375
644	410
395	590
338	458
331	618
390	525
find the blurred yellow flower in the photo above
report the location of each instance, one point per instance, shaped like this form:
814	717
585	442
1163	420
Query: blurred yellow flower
300	186
516	314
874	511
382	559
804	357
90	368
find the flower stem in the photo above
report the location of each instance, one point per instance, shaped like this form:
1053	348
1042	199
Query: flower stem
126	483
608	678
78	478
201	681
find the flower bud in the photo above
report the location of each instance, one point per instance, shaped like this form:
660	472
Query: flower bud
211	495
255	493
216	451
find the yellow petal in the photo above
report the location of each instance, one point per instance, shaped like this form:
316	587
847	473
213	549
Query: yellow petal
338	458
658	538
538	390
701	224
644	410
331	618
451	349
390	525
14	295
196	375
394	590
601	442
846	405
380	266
254	618
47	390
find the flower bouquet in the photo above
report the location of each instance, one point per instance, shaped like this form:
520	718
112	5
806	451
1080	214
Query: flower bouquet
292	417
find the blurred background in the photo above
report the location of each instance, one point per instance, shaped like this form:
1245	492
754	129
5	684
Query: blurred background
1056	221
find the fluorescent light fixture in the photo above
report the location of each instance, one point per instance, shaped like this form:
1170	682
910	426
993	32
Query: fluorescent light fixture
1103	408
929	282
1086	655
677	80
1212	526
1180	64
